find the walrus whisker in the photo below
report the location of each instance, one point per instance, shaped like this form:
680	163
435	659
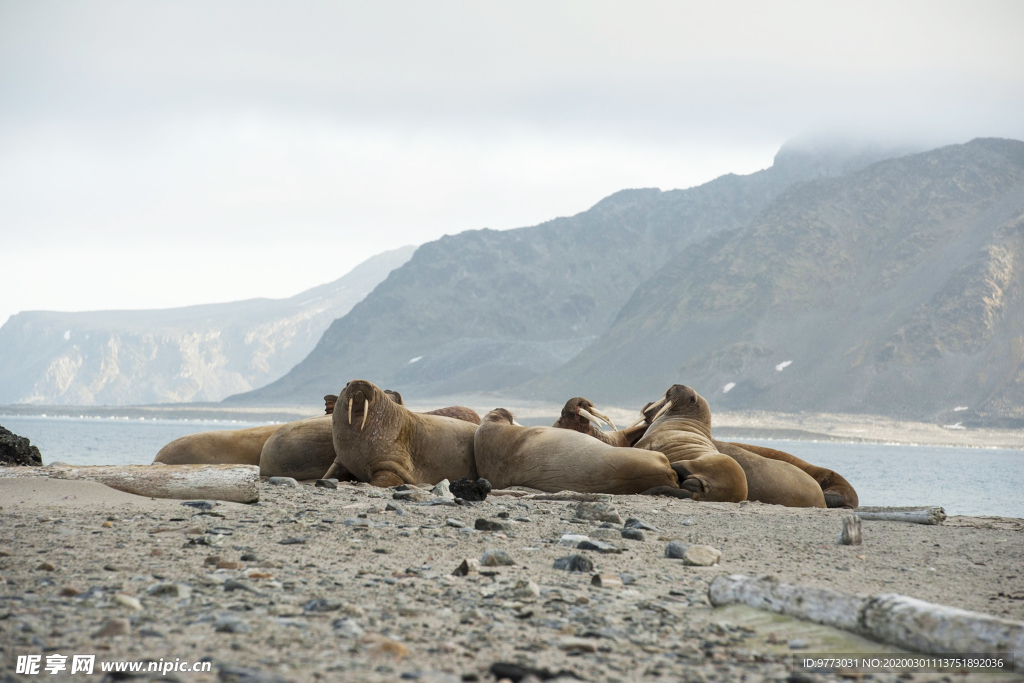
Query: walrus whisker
350	411
586	414
663	410
366	411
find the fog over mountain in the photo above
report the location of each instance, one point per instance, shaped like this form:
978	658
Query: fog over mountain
487	311
197	353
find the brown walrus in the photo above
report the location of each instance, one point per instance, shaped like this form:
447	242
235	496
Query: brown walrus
688	434
302	449
458	412
380	441
580	415
838	492
227	447
550	459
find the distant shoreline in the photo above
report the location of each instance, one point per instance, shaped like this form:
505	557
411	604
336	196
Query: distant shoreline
824	427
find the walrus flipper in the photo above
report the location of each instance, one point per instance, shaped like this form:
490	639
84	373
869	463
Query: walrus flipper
668	491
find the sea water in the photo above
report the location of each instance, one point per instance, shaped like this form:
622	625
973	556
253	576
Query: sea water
964	481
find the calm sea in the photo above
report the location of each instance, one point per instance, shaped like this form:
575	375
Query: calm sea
965	481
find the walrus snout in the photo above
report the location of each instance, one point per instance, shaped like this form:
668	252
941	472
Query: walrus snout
357	395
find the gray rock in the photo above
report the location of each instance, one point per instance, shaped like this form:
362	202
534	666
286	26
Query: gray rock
441	490
632	534
236	585
468	566
599	546
170	590
456	523
693	555
634	523
601	512
391	507
413	495
356	521
496	558
574	563
572	540
482	524
113	628
606	534
326	483
322	605
201	504
524	590
293	540
347	628
282	481
229	623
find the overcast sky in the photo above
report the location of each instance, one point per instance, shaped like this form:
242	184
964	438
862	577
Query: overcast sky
157	154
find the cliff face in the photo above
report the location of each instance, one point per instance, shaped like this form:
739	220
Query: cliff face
198	353
895	289
487	310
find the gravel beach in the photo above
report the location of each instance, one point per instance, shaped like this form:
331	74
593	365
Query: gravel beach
351	584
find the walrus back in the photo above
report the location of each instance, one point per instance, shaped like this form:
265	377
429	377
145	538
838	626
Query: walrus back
302	449
229	447
774	481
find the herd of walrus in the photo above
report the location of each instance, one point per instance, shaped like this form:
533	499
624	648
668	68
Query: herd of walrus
372	437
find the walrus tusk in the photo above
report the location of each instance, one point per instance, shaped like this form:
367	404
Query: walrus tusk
366	411
586	414
604	417
330	472
662	411
638	422
350	411
516	423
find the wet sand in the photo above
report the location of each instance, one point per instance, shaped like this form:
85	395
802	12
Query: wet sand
365	593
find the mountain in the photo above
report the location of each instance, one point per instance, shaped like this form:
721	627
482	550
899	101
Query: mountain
486	310
197	353
896	289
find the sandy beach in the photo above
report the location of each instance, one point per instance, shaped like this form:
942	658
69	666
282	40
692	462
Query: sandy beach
316	584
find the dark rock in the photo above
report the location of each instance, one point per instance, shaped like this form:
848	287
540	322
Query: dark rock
482	524
467	489
574	563
200	504
634	523
17	451
326	483
633	534
599	546
293	540
516	672
230	624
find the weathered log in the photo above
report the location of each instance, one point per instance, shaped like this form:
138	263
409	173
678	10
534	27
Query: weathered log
908	515
236	483
894	619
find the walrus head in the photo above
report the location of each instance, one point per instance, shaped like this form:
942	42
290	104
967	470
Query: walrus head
679	401
579	413
358	400
501	415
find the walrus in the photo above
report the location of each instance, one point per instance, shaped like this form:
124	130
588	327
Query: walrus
458	412
838	492
551	459
580	415
226	447
380	441
302	449
688	433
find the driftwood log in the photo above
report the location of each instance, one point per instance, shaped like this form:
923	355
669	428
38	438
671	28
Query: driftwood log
235	483
908	515
894	619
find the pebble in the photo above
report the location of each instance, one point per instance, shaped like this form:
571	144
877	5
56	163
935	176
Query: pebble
468	566
599	546
229	565
322	605
229	623
456	523
170	590
609	534
347	628
283	481
69	592
114	627
525	590
496	558
200	504
236	585
601	512
442	490
635	523
572	644
391	507
127	601
798	644
572	540
414	495
482	524
251	557
574	563
48	567
632	534
116	568
607	581
356	521
293	540
212	560
326	484
693	555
